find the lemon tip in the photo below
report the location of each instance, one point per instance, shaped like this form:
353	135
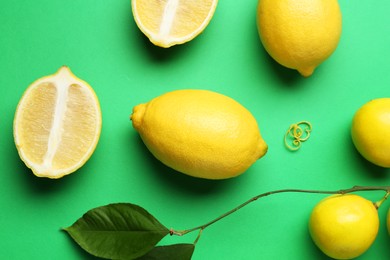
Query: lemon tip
306	72
137	115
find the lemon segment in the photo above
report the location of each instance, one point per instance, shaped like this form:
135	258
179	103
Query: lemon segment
344	226
57	124
200	133
170	22
299	34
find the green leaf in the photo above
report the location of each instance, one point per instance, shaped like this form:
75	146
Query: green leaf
171	252
117	231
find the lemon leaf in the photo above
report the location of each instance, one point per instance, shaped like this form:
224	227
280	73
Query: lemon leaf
170	252
117	231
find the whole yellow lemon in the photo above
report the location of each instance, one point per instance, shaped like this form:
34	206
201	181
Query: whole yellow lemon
200	133
299	34
344	226
371	131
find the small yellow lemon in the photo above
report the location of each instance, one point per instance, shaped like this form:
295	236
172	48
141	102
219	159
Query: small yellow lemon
299	34
344	226
371	131
200	133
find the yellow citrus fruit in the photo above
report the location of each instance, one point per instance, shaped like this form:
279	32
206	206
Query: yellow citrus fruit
299	34
344	226
371	131
200	133
170	22
57	124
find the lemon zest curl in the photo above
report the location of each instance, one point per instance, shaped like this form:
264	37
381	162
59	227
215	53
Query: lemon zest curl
299	132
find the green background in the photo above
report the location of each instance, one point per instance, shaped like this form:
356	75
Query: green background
100	42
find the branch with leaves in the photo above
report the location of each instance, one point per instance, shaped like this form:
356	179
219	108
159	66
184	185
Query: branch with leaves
128	231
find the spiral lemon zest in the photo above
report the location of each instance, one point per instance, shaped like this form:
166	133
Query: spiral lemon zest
299	132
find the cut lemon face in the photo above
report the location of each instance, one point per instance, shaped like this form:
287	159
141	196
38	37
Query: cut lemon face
57	124
170	22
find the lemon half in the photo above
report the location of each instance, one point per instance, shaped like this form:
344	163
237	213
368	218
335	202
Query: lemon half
170	22
57	124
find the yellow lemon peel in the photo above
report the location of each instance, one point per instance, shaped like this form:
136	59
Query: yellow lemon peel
299	132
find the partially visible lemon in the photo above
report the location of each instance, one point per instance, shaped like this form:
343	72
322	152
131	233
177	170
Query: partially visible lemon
170	22
57	124
371	131
200	133
299	34
344	226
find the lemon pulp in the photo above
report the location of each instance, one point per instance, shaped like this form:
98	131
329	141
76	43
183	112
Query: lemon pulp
57	124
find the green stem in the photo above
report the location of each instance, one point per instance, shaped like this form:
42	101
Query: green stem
379	203
343	191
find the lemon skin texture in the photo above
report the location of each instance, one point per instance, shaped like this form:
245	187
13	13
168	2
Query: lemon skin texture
344	226
299	34
371	131
200	133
